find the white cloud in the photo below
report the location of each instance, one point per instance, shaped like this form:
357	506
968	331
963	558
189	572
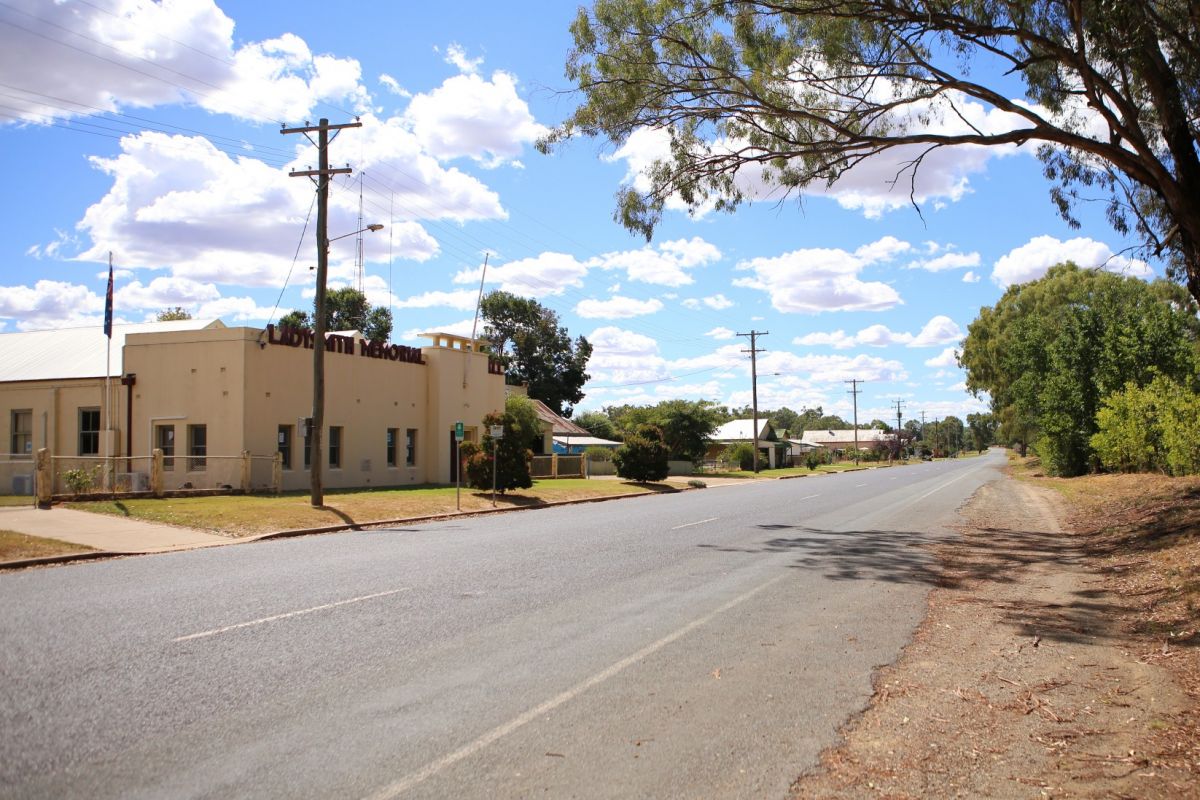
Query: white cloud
832	369
463	300
971	277
837	339
164	292
721	333
617	308
468	116
545	274
946	261
461	328
946	358
51	304
816	280
666	265
393	86
938	331
623	357
1033	259
456	54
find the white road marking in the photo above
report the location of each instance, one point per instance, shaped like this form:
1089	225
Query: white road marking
429	770
859	485
228	628
943	486
690	524
810	497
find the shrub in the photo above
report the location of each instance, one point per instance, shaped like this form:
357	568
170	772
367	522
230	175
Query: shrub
643	457
695	484
508	456
813	459
1155	428
740	453
598	453
81	479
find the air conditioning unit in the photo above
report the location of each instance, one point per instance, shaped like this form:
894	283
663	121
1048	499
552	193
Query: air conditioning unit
136	481
22	484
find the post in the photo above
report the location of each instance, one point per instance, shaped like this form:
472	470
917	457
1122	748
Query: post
754	351
322	174
458	477
854	382
245	472
277	473
156	472
44	478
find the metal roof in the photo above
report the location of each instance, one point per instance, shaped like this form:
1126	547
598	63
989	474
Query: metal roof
559	425
868	435
741	429
72	353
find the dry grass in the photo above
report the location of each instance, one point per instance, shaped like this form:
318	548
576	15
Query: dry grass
249	515
15	546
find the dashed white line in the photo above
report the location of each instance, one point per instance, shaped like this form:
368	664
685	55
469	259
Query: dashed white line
810	497
690	524
859	485
410	780
276	617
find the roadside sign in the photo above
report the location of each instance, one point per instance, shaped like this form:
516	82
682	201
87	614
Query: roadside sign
496	431
458	431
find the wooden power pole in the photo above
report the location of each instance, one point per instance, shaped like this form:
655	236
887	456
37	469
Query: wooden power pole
320	177
854	390
754	351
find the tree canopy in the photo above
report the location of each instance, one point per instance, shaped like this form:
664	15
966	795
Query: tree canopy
173	314
794	94
535	349
347	309
1051	350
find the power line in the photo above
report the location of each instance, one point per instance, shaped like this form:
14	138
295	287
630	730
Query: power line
754	351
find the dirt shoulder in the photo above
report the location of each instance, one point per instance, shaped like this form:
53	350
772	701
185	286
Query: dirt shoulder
1059	657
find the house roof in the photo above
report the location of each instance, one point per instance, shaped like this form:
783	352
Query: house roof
585	441
741	430
559	425
71	353
865	436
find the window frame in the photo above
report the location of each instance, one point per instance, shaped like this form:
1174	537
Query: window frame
168	448
19	436
335	446
197	452
92	434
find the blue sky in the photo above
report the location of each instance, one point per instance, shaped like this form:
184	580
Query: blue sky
151	130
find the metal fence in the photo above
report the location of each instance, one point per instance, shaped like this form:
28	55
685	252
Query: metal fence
16	478
89	475
541	467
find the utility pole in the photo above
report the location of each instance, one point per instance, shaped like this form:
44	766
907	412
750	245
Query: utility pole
898	428
321	177
854	390
754	351
922	432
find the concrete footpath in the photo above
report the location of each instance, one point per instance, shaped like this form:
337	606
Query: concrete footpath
115	535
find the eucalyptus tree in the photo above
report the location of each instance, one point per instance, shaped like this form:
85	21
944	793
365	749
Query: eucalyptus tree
762	95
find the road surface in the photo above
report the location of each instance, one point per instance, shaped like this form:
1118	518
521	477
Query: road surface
701	644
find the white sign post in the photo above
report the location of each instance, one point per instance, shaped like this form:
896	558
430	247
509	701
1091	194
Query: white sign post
458	466
497	433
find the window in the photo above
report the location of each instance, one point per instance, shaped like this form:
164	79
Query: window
410	446
308	443
22	433
285	445
164	439
197	447
89	431
335	447
391	446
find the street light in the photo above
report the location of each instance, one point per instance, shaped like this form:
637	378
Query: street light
318	415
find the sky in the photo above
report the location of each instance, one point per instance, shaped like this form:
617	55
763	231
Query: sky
151	131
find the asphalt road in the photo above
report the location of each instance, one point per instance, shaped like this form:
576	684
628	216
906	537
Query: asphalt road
703	644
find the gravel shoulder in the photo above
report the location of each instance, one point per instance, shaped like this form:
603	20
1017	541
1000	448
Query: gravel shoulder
1035	673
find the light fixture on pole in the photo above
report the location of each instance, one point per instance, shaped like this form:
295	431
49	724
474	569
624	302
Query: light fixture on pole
318	417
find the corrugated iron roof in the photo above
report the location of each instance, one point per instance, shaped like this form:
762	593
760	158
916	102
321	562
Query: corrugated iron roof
71	353
740	429
558	424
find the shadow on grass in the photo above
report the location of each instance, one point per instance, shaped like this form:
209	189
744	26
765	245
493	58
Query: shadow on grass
992	555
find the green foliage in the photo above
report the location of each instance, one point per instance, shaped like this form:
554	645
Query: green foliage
347	309
536	350
81	479
686	425
740	453
794	91
982	430
525	424
1151	428
597	424
1052	348
509	456
598	453
643	457
814	459
173	314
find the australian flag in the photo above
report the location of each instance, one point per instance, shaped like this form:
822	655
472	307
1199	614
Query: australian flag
108	304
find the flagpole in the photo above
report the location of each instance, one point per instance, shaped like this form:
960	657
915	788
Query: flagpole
108	321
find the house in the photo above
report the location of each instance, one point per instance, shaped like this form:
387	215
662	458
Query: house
843	440
742	430
205	394
556	427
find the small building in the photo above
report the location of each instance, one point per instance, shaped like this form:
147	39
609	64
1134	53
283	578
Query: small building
742	430
844	440
204	394
556	427
577	445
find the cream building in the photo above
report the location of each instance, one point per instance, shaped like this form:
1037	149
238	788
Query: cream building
204	394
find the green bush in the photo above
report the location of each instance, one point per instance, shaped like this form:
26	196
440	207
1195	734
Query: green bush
644	455
740	453
813	459
598	453
1155	428
81	479
508	456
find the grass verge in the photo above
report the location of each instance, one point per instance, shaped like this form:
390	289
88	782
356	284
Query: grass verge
241	515
15	546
